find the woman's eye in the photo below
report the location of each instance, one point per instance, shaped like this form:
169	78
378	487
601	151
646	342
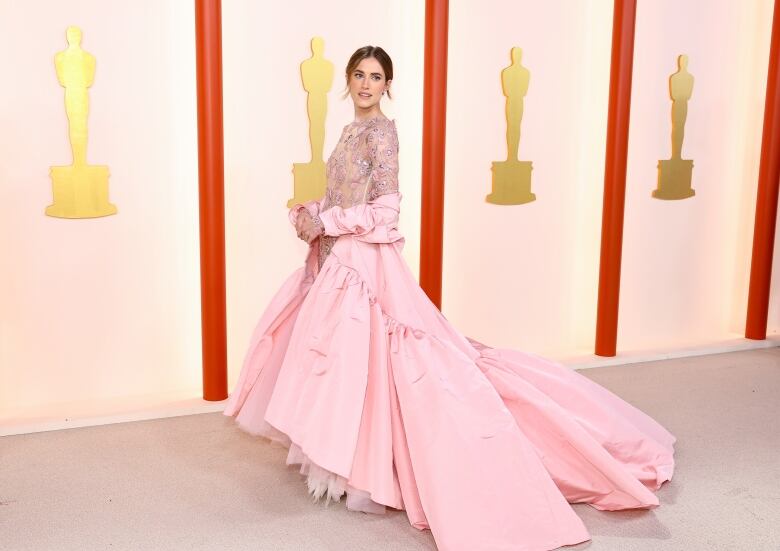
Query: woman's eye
376	77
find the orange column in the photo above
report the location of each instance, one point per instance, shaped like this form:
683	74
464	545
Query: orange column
766	200
434	130
208	47
615	175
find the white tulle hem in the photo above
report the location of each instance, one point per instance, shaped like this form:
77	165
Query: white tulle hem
321	483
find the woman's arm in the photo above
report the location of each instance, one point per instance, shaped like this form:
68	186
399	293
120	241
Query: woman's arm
374	222
313	208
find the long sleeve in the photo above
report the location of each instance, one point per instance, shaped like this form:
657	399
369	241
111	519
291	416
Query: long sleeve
382	143
373	222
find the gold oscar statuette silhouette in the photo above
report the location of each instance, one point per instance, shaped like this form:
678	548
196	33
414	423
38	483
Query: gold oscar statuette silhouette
675	174
512	178
80	190
310	178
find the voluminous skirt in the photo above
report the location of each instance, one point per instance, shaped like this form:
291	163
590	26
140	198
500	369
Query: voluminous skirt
379	397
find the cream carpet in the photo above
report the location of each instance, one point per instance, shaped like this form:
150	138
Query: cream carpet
198	483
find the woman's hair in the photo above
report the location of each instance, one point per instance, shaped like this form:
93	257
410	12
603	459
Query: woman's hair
370	51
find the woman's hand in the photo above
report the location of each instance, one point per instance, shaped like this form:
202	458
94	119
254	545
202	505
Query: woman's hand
308	227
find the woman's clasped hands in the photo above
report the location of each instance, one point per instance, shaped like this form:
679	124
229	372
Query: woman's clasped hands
308	227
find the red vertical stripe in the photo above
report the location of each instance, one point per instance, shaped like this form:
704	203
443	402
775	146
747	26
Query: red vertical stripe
615	175
434	129
766	199
208	47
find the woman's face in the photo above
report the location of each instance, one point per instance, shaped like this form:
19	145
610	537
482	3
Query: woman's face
367	83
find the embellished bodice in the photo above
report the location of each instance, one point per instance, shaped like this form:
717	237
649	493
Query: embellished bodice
363	166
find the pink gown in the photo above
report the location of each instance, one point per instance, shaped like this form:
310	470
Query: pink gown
378	397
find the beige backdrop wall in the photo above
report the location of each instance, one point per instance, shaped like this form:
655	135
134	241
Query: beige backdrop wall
92	311
686	263
527	276
266	130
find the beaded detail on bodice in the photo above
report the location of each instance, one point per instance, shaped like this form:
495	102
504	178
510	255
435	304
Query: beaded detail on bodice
363	166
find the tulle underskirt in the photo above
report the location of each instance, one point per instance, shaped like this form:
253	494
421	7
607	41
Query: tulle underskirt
322	484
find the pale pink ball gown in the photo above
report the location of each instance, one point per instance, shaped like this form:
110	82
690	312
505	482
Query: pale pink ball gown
379	397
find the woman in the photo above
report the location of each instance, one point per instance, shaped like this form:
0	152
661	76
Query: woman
379	397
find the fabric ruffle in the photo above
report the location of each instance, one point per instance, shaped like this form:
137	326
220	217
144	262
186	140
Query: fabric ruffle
379	398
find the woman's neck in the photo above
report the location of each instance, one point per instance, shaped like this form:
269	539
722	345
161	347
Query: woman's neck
367	114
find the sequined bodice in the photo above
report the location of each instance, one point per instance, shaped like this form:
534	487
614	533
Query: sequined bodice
363	166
